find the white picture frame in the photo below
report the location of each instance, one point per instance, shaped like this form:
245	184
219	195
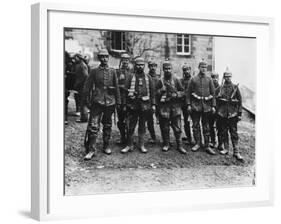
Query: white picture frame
47	199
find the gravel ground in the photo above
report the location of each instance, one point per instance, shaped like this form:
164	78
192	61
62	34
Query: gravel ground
155	170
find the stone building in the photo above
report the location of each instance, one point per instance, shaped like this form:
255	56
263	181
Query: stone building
179	48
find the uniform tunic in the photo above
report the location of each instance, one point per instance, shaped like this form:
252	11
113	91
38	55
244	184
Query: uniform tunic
229	107
139	104
102	94
169	109
200	95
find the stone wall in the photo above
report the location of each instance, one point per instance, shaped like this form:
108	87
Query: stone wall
157	46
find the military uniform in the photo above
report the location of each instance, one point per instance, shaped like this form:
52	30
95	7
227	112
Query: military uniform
150	119
229	110
123	75
81	74
169	100
201	101
139	102
102	95
187	126
214	127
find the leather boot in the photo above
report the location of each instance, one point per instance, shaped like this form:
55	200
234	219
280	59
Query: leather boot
106	148
225	150
179	146
92	148
130	145
236	153
141	144
207	146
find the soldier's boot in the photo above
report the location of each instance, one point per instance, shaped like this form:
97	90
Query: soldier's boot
225	149
207	146
130	145
166	141
92	151
236	153
220	147
197	146
179	146
141	144
106	148
122	130
187	139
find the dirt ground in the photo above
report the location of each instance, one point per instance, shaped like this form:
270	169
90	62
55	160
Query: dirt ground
155	170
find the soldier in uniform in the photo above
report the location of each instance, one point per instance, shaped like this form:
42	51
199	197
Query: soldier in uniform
81	74
140	101
229	110
169	100
186	76
123	73
152	65
102	96
214	129
201	102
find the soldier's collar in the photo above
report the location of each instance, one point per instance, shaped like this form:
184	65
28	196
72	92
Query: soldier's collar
103	67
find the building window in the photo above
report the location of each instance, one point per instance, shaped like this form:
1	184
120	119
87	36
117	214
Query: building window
183	44
118	41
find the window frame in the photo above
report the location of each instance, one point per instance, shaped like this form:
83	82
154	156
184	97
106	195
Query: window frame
183	44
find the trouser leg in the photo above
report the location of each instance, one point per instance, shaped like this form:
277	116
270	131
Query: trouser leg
212	120
196	116
77	102
121	124
132	122
66	95
107	124
142	129
83	108
186	125
150	125
165	130
92	130
176	126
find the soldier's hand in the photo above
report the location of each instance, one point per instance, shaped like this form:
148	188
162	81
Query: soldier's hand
189	109
124	109
213	110
239	118
174	95
153	108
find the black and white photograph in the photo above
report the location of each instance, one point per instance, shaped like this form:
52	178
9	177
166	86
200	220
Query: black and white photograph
150	111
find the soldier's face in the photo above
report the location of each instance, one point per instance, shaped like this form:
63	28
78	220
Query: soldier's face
125	62
103	59
186	72
227	79
167	70
139	67
152	68
215	80
203	68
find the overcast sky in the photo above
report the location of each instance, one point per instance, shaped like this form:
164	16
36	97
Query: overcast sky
239	54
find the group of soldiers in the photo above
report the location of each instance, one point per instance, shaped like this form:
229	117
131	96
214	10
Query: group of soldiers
213	109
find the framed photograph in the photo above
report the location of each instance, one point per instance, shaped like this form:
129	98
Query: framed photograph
109	85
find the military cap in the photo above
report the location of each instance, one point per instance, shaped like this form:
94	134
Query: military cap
167	62
103	52
79	56
125	56
202	63
152	62
139	61
214	74
227	73
185	66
